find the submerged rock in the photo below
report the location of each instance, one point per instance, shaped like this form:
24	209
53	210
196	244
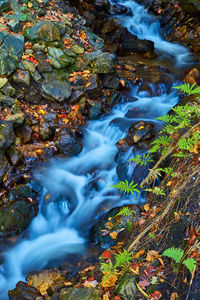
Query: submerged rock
100	62
82	293
126	288
23	291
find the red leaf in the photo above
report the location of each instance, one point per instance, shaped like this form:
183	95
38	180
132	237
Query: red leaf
156	295
107	254
117	298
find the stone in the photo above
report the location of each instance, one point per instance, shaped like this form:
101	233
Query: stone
28	65
3	81
193	77
126	288
22	77
15	26
36	76
79	293
6	100
14	155
3	166
95	110
110	81
43	30
6	130
16	119
100	62
4	5
16	217
23	291
58	59
56	87
77	49
24	132
67	144
11	51
8	90
46	130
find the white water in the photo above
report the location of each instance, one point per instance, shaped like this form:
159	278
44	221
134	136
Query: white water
79	187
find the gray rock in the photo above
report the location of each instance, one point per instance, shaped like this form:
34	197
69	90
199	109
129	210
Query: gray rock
4	5
82	293
28	65
8	90
56	87
6	100
3	166
44	30
15	26
22	77
126	288
11	51
3	82
46	130
77	49
100	62
16	119
67	144
14	155
36	76
58	58
6	130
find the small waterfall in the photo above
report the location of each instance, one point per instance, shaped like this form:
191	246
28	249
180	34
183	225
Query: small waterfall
78	187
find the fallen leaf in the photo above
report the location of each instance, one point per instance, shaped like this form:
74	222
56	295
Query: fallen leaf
146	207
143	284
109	225
139	253
107	254
90	284
109	280
156	295
113	235
174	296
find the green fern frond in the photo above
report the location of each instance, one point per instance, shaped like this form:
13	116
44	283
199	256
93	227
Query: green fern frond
185	88
174	253
142	160
166	118
190	264
180	154
156	190
126	187
125	211
123	258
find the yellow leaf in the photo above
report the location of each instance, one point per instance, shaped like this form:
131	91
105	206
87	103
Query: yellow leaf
141	127
109	225
65	120
105	297
47	197
123	82
113	235
42	112
108	280
146	207
169	183
30	4
39	151
88	84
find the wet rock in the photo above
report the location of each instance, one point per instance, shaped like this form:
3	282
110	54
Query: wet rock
14	155
16	119
8	90
3	166
15	26
6	101
24	132
108	26
58	59
110	81
28	65
44	30
11	51
16	217
22	77
191	6
36	76
4	5
193	77
56	87
3	82
6	130
67	144
42	280
47	131
131	43
126	288
77	49
138	132
100	62
24	191
82	293
94	110
119	9
24	292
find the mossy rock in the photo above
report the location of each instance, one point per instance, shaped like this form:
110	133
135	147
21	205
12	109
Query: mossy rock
77	294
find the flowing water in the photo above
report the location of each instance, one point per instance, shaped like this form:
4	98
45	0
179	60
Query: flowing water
79	187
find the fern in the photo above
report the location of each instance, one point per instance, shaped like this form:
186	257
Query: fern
142	160
125	211
126	187
174	253
190	264
156	190
162	141
123	259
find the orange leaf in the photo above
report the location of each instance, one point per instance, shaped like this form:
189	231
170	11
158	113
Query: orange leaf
139	253
108	280
107	254
113	235
109	225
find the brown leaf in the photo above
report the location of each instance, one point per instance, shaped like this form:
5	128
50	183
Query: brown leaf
174	296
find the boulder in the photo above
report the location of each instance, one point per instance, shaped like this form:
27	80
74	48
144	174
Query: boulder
23	291
58	58
22	77
15	26
16	119
67	144
82	293
11	51
4	5
16	217
126	288
44	30
56	87
100	62
6	130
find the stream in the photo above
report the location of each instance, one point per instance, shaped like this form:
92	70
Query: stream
79	188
